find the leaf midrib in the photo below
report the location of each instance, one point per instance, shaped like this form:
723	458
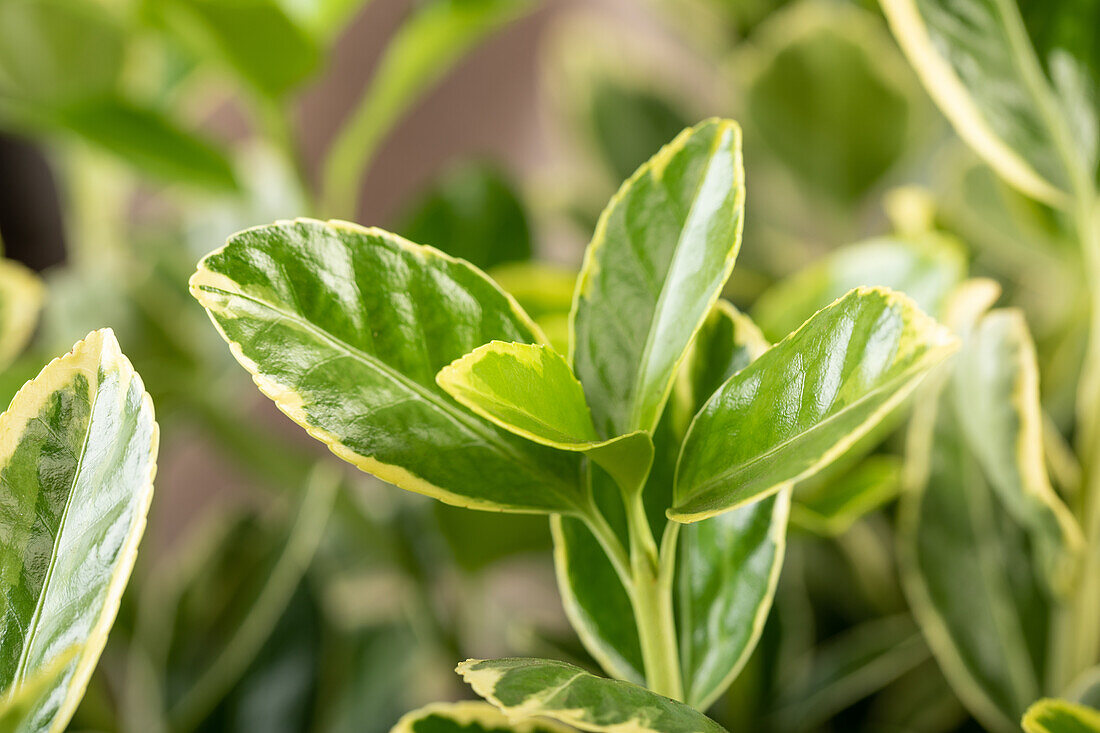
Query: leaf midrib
461	418
33	624
647	349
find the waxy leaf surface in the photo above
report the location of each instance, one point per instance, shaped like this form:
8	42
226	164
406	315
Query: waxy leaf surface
77	456
529	390
541	687
470	717
1060	716
345	329
662	251
805	401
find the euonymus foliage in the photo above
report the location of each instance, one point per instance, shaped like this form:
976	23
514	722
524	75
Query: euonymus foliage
78	452
664	444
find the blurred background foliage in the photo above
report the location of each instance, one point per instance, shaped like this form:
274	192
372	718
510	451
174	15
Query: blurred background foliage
277	590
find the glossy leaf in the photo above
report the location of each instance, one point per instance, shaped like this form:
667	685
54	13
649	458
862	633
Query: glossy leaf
925	267
345	329
1060	716
21	295
77	456
539	687
469	717
419	54
16	709
842	137
805	401
832	507
726	578
996	396
662	250
978	64
529	390
473	213
255	38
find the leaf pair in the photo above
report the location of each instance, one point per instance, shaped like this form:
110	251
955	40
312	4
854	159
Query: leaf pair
77	456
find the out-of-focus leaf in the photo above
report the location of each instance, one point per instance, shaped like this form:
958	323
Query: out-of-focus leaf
828	383
256	38
225	615
925	267
340	299
78	452
426	46
470	717
831	508
1060	716
965	565
16	708
979	66
996	393
474	213
149	141
663	249
629	124
848	668
829	97
529	390
21	295
560	691
546	292
479	539
53	52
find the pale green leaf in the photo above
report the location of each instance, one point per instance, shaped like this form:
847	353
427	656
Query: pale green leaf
469	717
21	295
17	707
662	251
978	64
926	267
539	687
421	52
805	401
529	390
1060	716
77	456
832	507
345	329
996	394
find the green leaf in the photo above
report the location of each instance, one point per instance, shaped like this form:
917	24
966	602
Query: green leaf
925	267
78	448
473	213
469	717
529	390
967	574
726	578
546	292
629	123
15	709
58	51
978	64
345	329
996	394
831	97
1060	716
662	251
805	401
539	687
149	141
255	38
421	52
832	507
21	296
850	667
